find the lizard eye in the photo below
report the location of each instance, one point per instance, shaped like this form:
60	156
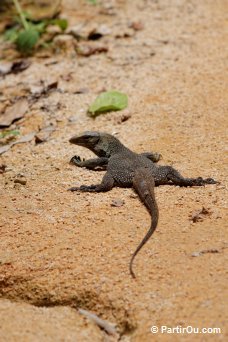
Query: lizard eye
92	137
94	140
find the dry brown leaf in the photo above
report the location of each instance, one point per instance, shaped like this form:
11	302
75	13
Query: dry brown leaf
87	50
14	112
26	138
44	134
42	90
13	67
4	148
5	68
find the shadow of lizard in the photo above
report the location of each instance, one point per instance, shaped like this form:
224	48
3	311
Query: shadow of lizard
129	169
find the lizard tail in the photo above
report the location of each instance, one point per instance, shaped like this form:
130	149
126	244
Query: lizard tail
143	183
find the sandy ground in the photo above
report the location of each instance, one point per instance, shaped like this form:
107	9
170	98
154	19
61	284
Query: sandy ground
61	251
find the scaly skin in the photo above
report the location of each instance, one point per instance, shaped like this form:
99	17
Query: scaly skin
128	169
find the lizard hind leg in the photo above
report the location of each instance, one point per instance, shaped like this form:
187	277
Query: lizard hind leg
168	174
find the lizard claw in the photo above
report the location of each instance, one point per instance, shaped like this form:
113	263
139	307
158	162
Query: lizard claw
76	160
157	157
87	188
74	188
200	181
210	181
83	188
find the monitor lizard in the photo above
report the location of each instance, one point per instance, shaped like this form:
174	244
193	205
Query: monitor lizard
126	168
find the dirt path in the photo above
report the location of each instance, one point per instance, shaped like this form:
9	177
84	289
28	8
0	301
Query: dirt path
61	251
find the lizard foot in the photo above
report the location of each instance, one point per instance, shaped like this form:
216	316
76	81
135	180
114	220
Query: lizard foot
83	188
76	160
210	181
156	157
200	181
74	188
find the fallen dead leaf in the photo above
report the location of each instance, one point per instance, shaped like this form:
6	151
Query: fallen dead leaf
44	134
24	139
5	68
4	148
89	31
14	112
98	32
88	50
14	67
19	66
38	91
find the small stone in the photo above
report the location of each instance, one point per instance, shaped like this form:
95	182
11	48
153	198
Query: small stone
133	196
117	202
123	118
65	42
199	215
20	179
196	254
136	25
87	50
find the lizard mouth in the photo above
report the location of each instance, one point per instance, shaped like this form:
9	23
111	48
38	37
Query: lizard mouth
86	139
76	139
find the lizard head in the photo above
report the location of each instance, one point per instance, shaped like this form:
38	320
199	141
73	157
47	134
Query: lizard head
99	143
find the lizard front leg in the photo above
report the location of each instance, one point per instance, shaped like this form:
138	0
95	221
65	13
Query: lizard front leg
90	163
167	175
106	185
153	156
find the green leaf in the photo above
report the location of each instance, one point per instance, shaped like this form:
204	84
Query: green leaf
108	101
27	39
62	23
11	34
39	27
12	132
93	2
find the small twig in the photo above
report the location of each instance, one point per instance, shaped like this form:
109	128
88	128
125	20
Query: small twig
108	327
